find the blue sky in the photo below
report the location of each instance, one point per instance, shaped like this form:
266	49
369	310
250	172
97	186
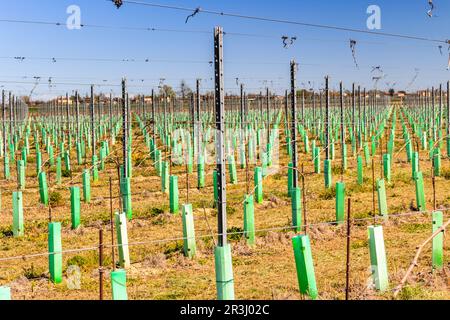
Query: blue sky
256	61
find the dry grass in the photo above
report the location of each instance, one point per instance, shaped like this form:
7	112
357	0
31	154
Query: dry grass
265	271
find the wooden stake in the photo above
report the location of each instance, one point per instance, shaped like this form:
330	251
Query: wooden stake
112	224
347	273
100	259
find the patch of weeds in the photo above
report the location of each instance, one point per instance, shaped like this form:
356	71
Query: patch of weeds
231	210
328	194
400	208
278	176
404	177
360	244
445	173
66	173
173	248
149	212
32	273
77	261
104	218
55	198
361	218
411	293
415	227
161	219
336	170
354	188
208	242
235	233
154	212
6	232
140	160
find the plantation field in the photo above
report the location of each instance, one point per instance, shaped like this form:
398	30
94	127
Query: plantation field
159	270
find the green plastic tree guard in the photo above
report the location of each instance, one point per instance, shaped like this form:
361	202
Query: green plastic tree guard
290	178
122	239
102	158
437	162
296	207
86	177
264	162
305	266
382	202
130	162
232	169
165	177
344	156
75	206
251	153
43	189
79	154
55	252
189	244
224	272
94	168
366	153
415	164
258	185
340	202
173	194
438	241
38	162
332	150
67	160
249	220
18	229
21	174
242	160
420	194
201	172
12	157
327	173
158	162
317	160
378	258
125	189
5	293
424	141
58	170
190	159
51	155
269	155
360	170
119	285
306	141
387	166
24	155
408	150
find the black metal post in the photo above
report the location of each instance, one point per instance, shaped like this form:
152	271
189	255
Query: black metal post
220	131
